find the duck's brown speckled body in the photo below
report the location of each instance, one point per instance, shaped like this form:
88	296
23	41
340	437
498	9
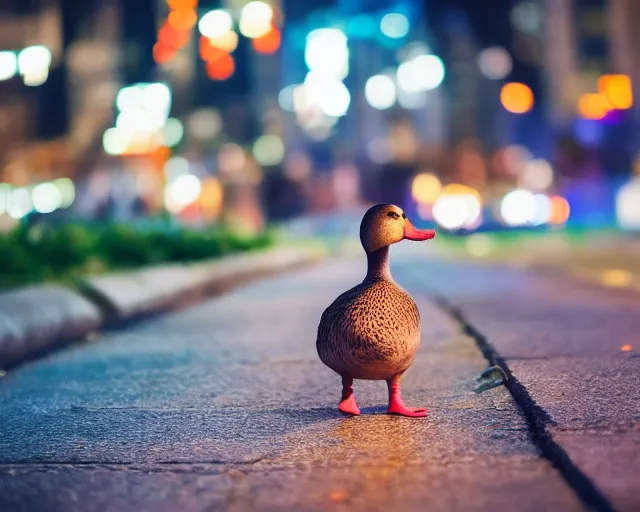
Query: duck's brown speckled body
372	331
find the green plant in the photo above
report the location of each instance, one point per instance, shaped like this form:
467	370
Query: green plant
36	253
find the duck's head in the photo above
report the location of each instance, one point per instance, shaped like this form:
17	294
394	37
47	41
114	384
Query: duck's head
386	224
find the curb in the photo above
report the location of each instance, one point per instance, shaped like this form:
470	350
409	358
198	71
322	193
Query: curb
38	319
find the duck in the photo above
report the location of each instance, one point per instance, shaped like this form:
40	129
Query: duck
372	331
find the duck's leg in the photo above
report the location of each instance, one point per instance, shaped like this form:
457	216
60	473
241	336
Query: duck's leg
396	404
348	403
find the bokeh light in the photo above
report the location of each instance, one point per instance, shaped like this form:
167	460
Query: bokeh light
46	197
560	210
227	42
516	98
169	36
34	60
255	19
175	167
172	132
215	23
536	175
211	196
67	191
422	73
114	141
326	53
542	213
182	19
426	188
479	245
394	25
380	92
617	89
458	206
182	192
221	67
527	17
163	53
518	208
231	158
268	43
8	65
204	124
285	97
182	4
268	150
628	205
594	106
495	63
19	203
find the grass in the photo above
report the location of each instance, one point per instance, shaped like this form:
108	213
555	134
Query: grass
30	255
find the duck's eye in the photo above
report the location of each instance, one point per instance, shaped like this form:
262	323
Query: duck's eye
404	215
393	215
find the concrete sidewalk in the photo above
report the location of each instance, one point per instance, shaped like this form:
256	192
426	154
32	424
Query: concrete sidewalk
570	350
225	406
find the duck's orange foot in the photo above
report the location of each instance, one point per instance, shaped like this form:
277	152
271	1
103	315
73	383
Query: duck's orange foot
398	408
349	406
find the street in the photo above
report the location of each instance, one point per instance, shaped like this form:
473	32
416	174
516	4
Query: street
225	405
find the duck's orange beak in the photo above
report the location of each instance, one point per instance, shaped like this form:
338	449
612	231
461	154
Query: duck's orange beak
411	233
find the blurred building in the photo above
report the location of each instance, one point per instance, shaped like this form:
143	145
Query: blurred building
24	103
58	99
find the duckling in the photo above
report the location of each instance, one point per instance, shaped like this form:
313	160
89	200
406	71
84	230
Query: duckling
372	331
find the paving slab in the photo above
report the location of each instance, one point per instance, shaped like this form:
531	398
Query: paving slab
225	406
573	349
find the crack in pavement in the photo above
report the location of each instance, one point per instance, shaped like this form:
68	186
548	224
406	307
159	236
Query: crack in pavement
538	420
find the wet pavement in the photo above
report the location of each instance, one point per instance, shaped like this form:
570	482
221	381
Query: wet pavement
225	405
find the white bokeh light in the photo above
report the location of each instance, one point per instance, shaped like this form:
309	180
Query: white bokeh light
422	73
19	203
451	212
34	60
8	65
628	205
215	23
115	141
542	209
255	19
46	197
183	191
518	208
380	92
326	53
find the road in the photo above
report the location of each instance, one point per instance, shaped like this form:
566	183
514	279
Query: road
225	405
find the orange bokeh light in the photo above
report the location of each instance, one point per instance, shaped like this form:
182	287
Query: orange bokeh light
169	36
626	348
268	43
182	19
617	89
560	210
221	68
517	98
163	52
594	106
182	4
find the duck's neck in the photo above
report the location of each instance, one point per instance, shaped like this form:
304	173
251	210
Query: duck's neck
378	264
